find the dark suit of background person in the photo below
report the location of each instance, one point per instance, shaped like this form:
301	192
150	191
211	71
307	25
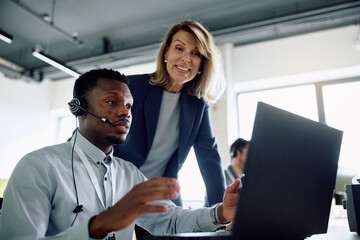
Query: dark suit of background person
238	154
194	123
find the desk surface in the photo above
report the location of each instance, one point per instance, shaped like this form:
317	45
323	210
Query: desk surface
335	236
338	228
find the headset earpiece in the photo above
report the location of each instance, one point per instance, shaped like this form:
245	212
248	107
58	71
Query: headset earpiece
77	106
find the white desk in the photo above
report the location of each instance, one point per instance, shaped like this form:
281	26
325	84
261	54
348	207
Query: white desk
338	228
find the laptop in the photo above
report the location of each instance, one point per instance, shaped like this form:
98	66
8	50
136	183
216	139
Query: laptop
289	180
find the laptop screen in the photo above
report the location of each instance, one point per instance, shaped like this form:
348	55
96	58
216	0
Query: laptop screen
290	175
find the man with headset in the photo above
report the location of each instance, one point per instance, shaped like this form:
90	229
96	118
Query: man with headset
238	153
79	190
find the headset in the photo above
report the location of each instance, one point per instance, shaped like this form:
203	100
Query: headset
78	208
78	107
233	153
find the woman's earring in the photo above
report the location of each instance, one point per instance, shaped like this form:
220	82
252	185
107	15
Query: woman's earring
199	72
165	61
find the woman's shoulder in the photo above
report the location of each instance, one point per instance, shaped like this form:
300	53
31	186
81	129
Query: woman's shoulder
139	81
138	78
193	99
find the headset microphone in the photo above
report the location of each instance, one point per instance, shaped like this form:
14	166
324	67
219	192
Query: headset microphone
101	118
77	109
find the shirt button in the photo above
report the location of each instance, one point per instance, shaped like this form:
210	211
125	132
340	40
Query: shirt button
105	178
98	163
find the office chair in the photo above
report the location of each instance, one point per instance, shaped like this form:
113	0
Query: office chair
344	177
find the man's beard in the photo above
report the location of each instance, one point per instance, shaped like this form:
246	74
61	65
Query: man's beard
114	140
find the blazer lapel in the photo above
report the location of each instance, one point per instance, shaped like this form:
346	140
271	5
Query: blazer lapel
152	106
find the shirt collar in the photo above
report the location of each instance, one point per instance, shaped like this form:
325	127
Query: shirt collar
91	151
233	172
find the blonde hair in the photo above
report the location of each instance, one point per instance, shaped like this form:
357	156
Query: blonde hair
210	84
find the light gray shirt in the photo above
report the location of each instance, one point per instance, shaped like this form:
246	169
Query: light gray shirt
166	138
40	198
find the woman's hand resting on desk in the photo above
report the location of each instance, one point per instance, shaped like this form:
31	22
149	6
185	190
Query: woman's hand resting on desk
134	204
226	211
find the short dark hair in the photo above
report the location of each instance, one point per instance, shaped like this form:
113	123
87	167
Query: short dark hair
238	145
87	81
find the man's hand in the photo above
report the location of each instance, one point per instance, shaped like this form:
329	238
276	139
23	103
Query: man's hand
134	204
226	211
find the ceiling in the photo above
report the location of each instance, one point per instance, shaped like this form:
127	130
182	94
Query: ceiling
87	34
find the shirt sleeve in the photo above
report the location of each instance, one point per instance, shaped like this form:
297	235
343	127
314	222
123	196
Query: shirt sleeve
179	220
27	205
209	160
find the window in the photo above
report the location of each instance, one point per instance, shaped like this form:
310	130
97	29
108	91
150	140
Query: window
341	109
191	183
300	100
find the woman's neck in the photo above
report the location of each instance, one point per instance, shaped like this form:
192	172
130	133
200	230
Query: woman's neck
173	88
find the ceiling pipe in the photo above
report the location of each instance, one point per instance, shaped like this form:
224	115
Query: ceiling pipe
310	21
14	71
66	35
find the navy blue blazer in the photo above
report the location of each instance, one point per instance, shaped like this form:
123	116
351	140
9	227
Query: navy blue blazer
195	131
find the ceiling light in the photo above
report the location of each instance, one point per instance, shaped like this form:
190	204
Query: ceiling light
38	54
5	36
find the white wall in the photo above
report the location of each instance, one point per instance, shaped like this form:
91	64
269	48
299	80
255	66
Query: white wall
61	93
305	57
223	114
26	123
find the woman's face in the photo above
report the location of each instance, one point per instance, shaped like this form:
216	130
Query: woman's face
183	59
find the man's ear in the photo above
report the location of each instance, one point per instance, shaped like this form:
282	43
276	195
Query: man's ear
83	116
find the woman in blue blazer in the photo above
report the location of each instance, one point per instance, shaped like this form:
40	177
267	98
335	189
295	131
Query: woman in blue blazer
171	111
